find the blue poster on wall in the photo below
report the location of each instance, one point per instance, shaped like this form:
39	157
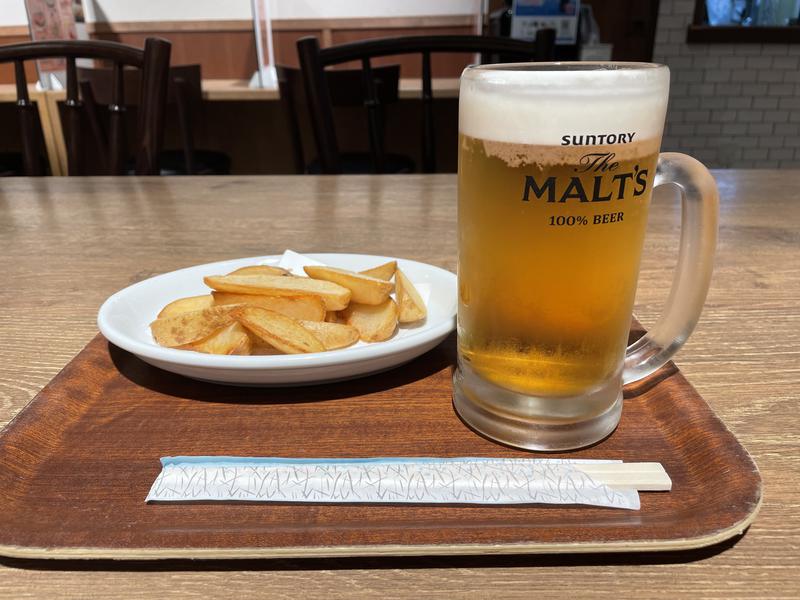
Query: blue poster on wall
529	16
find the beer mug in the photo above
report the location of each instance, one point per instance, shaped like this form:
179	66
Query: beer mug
557	163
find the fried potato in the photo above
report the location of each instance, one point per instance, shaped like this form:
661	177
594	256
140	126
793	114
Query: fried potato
232	339
190	327
263	349
375	323
259	346
333	316
332	335
306	308
334	297
384	271
261	270
278	330
184	305
364	289
267	310
409	302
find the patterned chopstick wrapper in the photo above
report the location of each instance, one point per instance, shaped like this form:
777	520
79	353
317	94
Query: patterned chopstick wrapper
384	480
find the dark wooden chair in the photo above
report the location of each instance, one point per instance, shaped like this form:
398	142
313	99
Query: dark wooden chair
153	61
345	91
314	60
184	95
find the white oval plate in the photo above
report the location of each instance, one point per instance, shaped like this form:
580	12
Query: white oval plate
124	320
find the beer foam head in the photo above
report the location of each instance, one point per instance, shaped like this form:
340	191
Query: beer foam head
541	103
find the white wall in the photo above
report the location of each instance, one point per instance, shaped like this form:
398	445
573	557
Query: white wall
331	9
12	13
126	11
218	10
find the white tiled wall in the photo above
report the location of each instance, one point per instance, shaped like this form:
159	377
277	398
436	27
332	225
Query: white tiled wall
731	105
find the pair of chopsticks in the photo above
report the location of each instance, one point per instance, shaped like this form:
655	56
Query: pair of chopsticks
644	476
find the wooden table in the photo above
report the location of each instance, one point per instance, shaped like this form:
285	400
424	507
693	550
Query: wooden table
67	244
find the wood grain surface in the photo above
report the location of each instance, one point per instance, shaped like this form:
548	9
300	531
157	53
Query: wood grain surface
66	244
89	445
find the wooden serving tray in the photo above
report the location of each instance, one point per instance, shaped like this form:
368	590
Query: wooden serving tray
78	461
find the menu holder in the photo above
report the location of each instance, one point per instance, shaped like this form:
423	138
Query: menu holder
50	20
265	76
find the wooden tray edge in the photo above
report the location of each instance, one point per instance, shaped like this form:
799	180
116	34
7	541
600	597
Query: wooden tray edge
77	553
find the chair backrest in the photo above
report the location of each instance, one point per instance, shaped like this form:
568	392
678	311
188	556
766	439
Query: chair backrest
153	62
345	87
314	60
184	91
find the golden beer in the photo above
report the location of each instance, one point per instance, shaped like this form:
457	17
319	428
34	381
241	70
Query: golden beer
557	163
549	244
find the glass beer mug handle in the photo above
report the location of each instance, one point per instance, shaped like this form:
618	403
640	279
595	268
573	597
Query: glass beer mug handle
699	208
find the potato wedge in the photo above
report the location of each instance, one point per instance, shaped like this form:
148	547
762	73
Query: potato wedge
261	270
384	271
334	297
190	327
264	349
332	335
375	323
333	316
364	289
409	303
259	346
278	330
306	308
232	339
184	305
